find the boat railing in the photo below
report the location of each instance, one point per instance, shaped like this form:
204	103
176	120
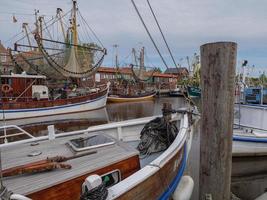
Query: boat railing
52	134
5	135
238	126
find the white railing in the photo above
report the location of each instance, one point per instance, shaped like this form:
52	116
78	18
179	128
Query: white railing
12	127
117	126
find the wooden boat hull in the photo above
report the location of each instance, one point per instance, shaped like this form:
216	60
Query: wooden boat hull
157	180
57	192
161	184
118	99
68	106
176	94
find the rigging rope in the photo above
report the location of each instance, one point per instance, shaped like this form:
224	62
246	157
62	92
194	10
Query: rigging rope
91	29
150	36
165	41
44	27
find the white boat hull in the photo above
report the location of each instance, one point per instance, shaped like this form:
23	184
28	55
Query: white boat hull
251	116
56	110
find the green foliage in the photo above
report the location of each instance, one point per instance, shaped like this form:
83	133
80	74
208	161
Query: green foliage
257	81
158	69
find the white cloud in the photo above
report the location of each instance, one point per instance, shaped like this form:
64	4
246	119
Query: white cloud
187	23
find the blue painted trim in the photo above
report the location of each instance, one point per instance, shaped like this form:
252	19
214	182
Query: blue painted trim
249	139
255	105
166	195
52	108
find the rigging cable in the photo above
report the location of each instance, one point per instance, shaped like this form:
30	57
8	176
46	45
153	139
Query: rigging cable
13	37
91	29
150	36
165	41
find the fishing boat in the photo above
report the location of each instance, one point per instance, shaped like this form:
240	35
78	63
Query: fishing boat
253	111
194	91
101	160
56	74
134	88
178	91
27	96
130	98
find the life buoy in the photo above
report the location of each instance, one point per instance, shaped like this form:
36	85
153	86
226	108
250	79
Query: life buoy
6	88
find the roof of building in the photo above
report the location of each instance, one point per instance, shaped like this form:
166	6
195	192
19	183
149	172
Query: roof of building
2	48
176	70
23	75
124	70
128	70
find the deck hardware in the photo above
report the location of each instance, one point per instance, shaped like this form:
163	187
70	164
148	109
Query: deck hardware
34	153
34	143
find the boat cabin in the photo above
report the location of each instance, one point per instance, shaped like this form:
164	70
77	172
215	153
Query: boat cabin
23	87
255	95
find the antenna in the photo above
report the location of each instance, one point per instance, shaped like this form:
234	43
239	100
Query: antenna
116	46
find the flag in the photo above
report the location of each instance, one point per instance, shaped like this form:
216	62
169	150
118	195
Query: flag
14	19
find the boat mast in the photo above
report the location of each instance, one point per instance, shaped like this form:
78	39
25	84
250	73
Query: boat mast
59	10
116	55
40	19
142	63
24	26
134	56
37	23
74	24
142	58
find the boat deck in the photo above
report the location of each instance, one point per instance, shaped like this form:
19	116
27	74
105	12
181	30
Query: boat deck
30	183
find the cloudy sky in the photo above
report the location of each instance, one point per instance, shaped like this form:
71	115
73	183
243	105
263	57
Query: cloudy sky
186	23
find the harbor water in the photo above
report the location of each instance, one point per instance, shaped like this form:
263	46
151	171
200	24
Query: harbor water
247	188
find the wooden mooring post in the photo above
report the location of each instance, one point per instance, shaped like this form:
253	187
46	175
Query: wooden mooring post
218	62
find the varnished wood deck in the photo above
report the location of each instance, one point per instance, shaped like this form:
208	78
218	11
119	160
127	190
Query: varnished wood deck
29	184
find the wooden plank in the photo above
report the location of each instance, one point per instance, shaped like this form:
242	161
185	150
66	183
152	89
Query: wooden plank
28	184
154	186
218	62
71	189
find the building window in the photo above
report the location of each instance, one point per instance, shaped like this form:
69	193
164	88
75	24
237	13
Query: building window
3	58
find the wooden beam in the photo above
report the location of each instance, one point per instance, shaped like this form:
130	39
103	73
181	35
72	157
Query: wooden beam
218	62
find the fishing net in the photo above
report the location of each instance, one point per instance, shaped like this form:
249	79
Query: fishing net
157	135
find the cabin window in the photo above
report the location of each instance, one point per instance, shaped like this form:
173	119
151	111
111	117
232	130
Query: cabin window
9	81
111	178
90	142
44	92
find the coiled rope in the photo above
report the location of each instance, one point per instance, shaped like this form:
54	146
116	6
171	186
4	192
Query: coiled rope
98	193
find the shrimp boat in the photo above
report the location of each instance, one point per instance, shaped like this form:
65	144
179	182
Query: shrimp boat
102	161
130	98
56	75
134	88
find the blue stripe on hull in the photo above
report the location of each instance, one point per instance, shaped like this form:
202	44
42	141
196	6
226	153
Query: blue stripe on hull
166	195
249	139
52	108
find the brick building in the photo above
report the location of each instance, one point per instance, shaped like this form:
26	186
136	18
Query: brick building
5	61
